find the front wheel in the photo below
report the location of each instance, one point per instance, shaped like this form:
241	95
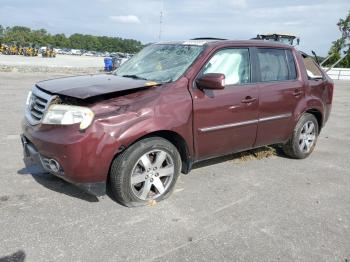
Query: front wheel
304	137
145	171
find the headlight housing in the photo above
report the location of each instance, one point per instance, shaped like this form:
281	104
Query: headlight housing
68	115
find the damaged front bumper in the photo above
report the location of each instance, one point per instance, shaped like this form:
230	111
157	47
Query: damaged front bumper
32	158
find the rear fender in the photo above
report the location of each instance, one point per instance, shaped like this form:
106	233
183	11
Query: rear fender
312	104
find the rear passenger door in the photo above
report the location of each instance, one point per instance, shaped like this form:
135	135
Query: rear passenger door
280	91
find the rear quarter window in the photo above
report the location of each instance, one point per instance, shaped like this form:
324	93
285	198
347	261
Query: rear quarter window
276	64
312	69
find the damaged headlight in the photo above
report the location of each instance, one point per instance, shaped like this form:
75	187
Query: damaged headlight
68	115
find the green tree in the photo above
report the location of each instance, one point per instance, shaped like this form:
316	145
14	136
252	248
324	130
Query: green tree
25	36
340	44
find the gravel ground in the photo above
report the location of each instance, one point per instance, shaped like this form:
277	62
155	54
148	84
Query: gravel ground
274	209
58	61
61	64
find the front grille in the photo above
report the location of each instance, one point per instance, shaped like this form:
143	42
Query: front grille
37	105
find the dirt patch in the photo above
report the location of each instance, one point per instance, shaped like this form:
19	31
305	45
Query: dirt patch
258	153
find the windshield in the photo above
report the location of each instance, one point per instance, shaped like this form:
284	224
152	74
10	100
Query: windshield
160	62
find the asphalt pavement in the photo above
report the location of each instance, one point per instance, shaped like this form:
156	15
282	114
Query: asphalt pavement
273	209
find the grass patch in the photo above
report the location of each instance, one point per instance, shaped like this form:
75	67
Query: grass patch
258	153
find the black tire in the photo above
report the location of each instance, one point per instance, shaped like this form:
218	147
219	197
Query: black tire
124	164
293	147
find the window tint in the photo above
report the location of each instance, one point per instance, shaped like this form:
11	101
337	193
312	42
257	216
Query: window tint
291	65
233	63
311	68
273	65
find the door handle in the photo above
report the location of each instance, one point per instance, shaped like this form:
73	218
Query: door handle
248	100
297	92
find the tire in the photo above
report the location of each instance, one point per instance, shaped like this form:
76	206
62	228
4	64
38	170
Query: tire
304	138
142	167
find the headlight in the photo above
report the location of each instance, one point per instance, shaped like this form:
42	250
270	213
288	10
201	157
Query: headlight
68	115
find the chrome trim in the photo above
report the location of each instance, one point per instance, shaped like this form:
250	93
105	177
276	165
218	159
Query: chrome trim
214	128
244	123
45	162
269	118
36	98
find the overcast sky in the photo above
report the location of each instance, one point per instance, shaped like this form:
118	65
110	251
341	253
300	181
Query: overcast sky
314	21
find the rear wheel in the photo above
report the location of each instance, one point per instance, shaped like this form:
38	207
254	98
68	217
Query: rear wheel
304	137
146	171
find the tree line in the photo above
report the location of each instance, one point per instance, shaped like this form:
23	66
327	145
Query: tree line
25	36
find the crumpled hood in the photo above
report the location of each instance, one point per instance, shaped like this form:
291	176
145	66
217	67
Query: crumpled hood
91	85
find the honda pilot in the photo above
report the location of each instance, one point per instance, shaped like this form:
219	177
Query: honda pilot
171	105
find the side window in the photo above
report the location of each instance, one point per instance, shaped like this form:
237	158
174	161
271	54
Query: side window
273	64
312	69
233	63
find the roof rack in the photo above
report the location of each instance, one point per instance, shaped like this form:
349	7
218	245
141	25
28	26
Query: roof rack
207	38
279	37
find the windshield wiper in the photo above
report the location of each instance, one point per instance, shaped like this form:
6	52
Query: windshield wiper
135	77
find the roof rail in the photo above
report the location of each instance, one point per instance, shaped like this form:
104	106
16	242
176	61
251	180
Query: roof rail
207	38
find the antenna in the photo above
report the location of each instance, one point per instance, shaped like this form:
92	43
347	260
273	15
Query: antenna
161	20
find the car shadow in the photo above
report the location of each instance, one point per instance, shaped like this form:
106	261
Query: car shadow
56	184
18	256
59	185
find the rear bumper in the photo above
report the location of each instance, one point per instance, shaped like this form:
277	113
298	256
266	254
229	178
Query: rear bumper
32	157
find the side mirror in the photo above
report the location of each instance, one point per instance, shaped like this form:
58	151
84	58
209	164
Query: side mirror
211	81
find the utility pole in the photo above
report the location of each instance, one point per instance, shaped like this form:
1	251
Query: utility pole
161	20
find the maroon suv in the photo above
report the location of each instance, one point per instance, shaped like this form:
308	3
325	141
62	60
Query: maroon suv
171	105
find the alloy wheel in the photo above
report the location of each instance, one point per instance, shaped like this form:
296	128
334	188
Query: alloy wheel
307	137
152	175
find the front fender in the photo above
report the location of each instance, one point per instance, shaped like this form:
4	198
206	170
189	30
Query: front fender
120	131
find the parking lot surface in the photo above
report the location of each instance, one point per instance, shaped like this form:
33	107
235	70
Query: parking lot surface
58	61
274	209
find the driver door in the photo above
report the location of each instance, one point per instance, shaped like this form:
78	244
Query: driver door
226	120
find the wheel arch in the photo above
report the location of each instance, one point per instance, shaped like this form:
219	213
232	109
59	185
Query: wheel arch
318	115
173	137
312	106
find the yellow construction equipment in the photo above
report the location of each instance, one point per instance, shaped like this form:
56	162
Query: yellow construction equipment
13	50
49	52
3	49
30	51
20	50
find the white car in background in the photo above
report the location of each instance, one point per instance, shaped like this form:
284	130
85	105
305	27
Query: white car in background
75	52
